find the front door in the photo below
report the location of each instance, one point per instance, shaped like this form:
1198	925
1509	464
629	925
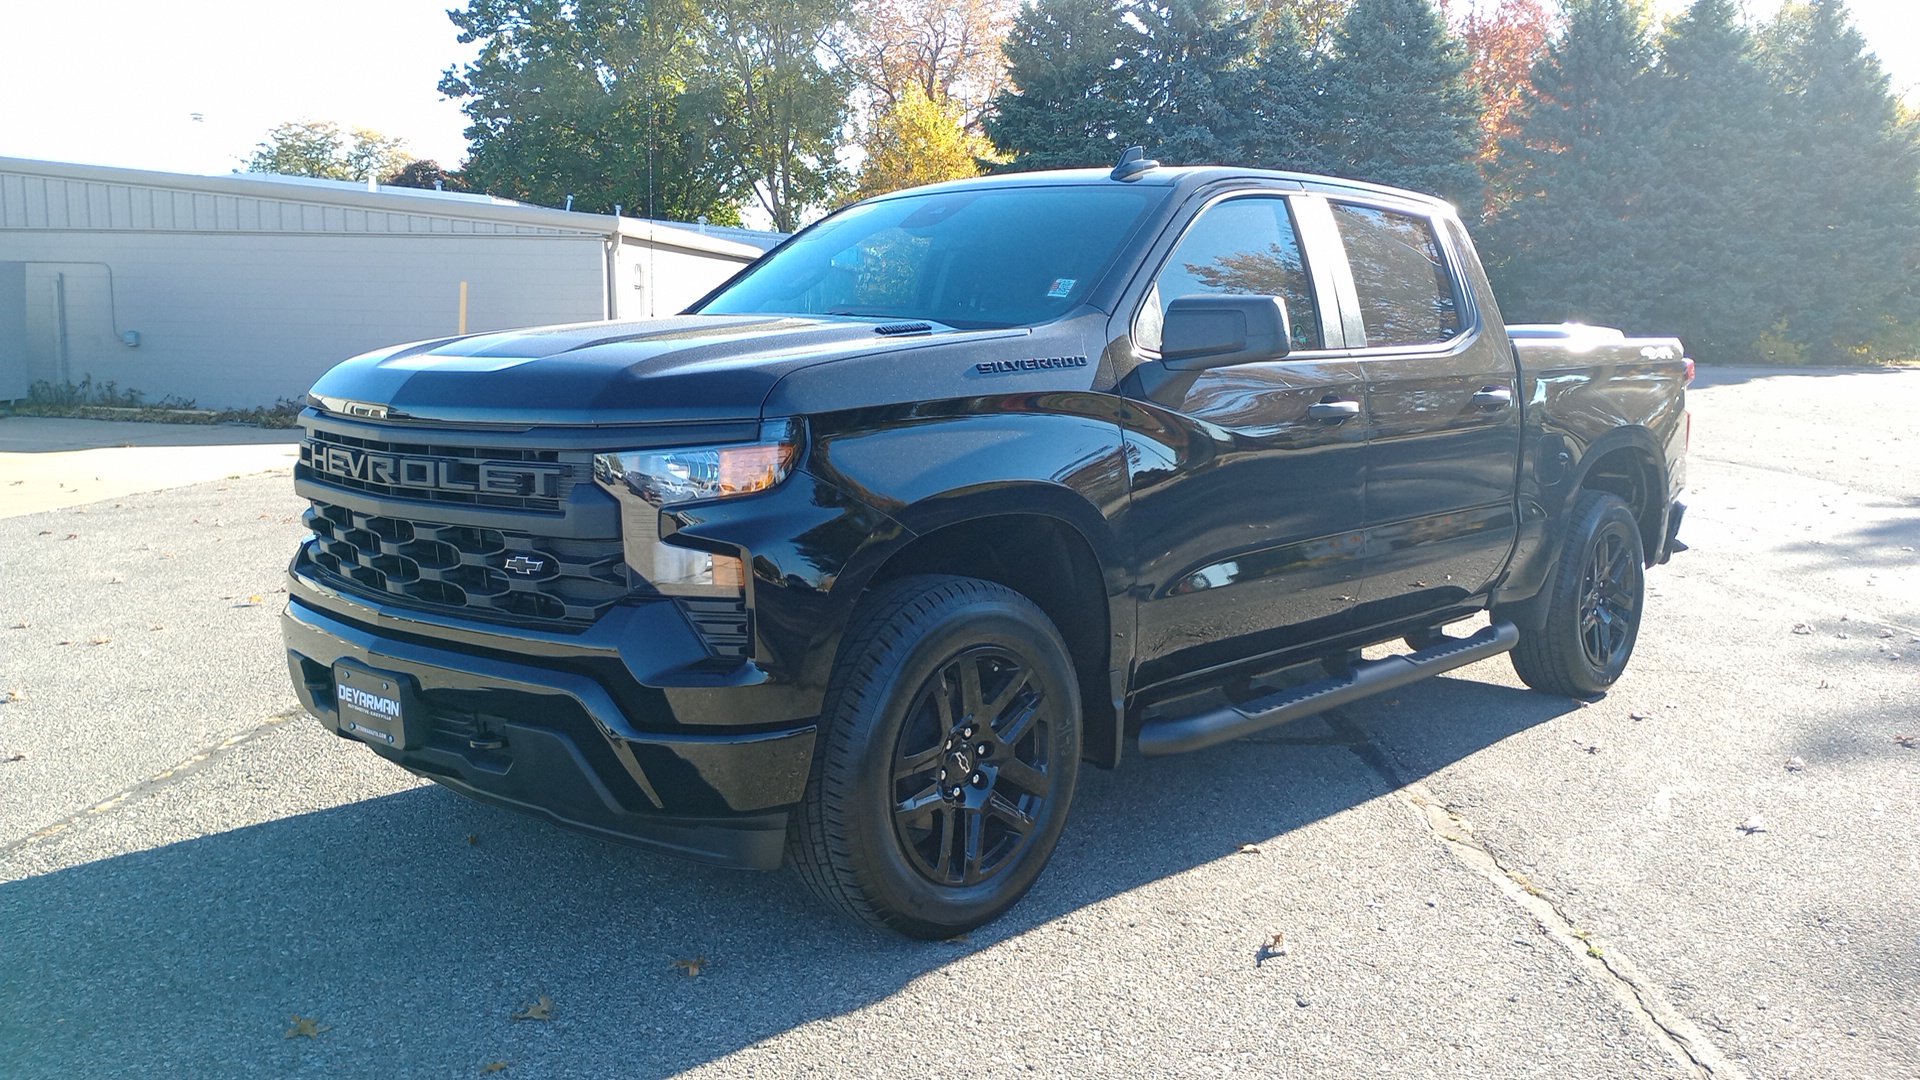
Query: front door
1246	513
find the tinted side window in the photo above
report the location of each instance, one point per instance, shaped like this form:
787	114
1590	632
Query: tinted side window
1406	295
1243	247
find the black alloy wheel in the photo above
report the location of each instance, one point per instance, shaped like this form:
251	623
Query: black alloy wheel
946	759
970	769
1595	596
1610	589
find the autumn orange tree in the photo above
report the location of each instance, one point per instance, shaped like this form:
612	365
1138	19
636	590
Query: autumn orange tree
1503	41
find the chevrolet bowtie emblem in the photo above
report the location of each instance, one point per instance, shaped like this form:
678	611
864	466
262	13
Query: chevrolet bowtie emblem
521	564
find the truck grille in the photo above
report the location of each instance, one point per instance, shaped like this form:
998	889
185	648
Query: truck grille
510	478
466	571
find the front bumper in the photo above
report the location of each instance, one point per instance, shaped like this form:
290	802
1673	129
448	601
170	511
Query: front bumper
523	725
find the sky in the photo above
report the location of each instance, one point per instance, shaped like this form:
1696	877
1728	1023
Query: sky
121	82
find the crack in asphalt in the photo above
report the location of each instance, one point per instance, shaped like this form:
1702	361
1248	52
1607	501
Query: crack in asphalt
1666	1025
153	784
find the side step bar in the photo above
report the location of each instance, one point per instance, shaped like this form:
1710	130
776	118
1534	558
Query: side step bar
1178	735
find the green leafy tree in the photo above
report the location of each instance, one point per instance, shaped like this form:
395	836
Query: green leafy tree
1072	103
590	100
1851	236
1316	23
1568	245
424	173
319	148
918	141
1397	107
778	109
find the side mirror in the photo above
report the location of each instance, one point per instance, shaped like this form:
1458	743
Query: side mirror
1202	332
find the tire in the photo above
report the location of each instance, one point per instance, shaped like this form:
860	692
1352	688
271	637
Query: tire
905	824
1598	590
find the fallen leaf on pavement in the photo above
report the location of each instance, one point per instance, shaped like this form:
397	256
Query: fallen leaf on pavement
1275	945
472	840
21	625
98	640
1802	628
17	755
305	1025
46	532
493	1067
691	967
16	695
541	1009
1639	716
251	601
1796	763
1249	849
1911	742
1754	824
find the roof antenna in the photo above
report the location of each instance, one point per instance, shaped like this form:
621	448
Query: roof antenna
1133	163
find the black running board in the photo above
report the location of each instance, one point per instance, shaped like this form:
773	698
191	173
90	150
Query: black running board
1177	735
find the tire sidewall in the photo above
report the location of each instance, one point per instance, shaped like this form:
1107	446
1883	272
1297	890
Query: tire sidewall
909	651
1602	515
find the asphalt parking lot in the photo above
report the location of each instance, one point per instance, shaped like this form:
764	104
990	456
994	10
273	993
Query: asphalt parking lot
1713	871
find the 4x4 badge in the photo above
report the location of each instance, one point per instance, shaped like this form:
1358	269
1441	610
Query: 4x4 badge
520	564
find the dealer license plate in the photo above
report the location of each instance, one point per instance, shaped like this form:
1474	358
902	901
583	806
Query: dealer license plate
373	705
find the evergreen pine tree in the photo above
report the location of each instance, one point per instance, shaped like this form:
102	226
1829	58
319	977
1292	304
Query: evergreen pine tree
1850	258
1190	79
1285	122
1073	101
1567	246
1711	234
1398	106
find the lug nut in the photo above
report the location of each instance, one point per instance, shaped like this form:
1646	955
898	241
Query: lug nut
982	750
943	774
979	780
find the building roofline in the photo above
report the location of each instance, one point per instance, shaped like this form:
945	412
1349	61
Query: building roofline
395	200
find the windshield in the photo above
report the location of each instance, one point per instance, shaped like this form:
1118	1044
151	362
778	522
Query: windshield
1010	256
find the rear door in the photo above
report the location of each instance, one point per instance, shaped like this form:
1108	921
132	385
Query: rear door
1247	485
1444	421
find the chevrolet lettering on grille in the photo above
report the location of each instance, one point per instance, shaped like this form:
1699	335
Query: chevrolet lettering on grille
437	474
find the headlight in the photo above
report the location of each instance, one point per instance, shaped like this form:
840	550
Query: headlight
646	480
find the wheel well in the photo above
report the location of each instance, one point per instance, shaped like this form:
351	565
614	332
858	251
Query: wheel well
1632	475
1057	570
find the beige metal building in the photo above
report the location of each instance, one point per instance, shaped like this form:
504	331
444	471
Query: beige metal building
235	291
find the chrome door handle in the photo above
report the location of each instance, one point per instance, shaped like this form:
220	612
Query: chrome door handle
1494	397
1333	409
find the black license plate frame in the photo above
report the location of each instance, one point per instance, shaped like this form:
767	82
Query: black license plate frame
379	707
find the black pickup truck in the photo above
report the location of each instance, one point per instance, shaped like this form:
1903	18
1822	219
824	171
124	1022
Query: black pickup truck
856	562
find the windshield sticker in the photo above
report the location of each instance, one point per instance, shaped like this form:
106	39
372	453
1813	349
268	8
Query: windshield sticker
1061	286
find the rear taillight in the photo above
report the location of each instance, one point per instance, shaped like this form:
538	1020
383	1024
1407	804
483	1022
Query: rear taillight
1689	361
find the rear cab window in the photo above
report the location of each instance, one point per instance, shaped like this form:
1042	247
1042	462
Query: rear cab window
1406	293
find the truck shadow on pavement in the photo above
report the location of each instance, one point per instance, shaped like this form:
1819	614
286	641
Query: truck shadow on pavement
416	924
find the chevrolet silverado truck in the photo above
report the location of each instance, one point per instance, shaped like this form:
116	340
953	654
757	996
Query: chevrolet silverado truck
855	563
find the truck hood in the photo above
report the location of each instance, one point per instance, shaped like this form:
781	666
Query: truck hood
684	369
